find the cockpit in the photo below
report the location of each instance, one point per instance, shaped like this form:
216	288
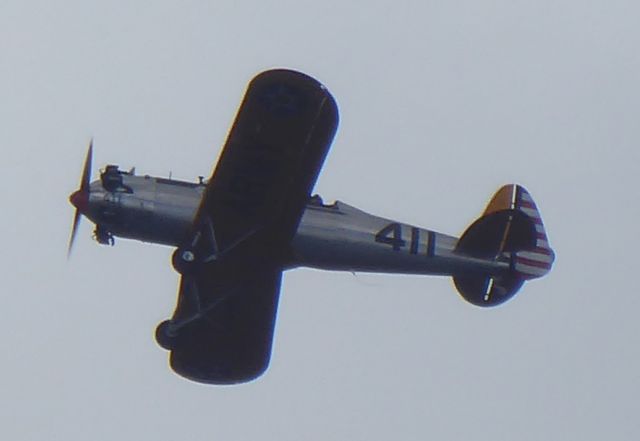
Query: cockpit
316	201
112	180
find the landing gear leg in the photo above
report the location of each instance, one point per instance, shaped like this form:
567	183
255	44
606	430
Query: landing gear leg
103	236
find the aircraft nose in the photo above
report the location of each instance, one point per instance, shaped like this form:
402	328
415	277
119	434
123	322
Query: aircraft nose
80	200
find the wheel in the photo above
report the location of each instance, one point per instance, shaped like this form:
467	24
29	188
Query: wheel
166	339
184	261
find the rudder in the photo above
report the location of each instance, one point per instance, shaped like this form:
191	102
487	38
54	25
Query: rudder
536	261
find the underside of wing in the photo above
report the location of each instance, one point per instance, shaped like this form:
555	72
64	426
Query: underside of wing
223	327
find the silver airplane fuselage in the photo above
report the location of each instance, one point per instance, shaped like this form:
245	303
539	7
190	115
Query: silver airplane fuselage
331	237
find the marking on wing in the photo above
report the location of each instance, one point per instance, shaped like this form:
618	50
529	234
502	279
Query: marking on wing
282	100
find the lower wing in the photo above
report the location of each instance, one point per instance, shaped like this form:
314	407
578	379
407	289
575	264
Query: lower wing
222	329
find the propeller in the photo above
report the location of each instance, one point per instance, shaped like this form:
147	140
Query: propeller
80	198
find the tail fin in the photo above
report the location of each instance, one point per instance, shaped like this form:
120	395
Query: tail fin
510	230
536	261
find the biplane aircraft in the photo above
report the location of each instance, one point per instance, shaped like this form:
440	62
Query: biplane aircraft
236	232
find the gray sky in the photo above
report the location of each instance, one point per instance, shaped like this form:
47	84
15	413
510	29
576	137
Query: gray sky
441	103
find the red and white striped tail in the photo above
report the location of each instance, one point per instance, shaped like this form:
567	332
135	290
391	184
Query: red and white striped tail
536	262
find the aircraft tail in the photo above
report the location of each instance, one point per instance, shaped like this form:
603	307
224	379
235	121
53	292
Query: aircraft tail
510	231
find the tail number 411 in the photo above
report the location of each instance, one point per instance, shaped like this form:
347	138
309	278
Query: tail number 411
392	235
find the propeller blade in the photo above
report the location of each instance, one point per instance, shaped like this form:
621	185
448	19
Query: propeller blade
80	198
86	172
74	231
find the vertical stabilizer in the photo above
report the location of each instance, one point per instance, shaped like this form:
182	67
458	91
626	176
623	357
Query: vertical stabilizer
537	261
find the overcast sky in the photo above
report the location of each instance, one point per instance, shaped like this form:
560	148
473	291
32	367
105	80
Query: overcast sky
441	103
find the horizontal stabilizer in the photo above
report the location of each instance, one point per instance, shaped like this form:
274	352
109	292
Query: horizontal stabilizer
496	233
494	237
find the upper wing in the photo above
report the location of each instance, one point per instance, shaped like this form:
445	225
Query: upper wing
271	159
222	329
